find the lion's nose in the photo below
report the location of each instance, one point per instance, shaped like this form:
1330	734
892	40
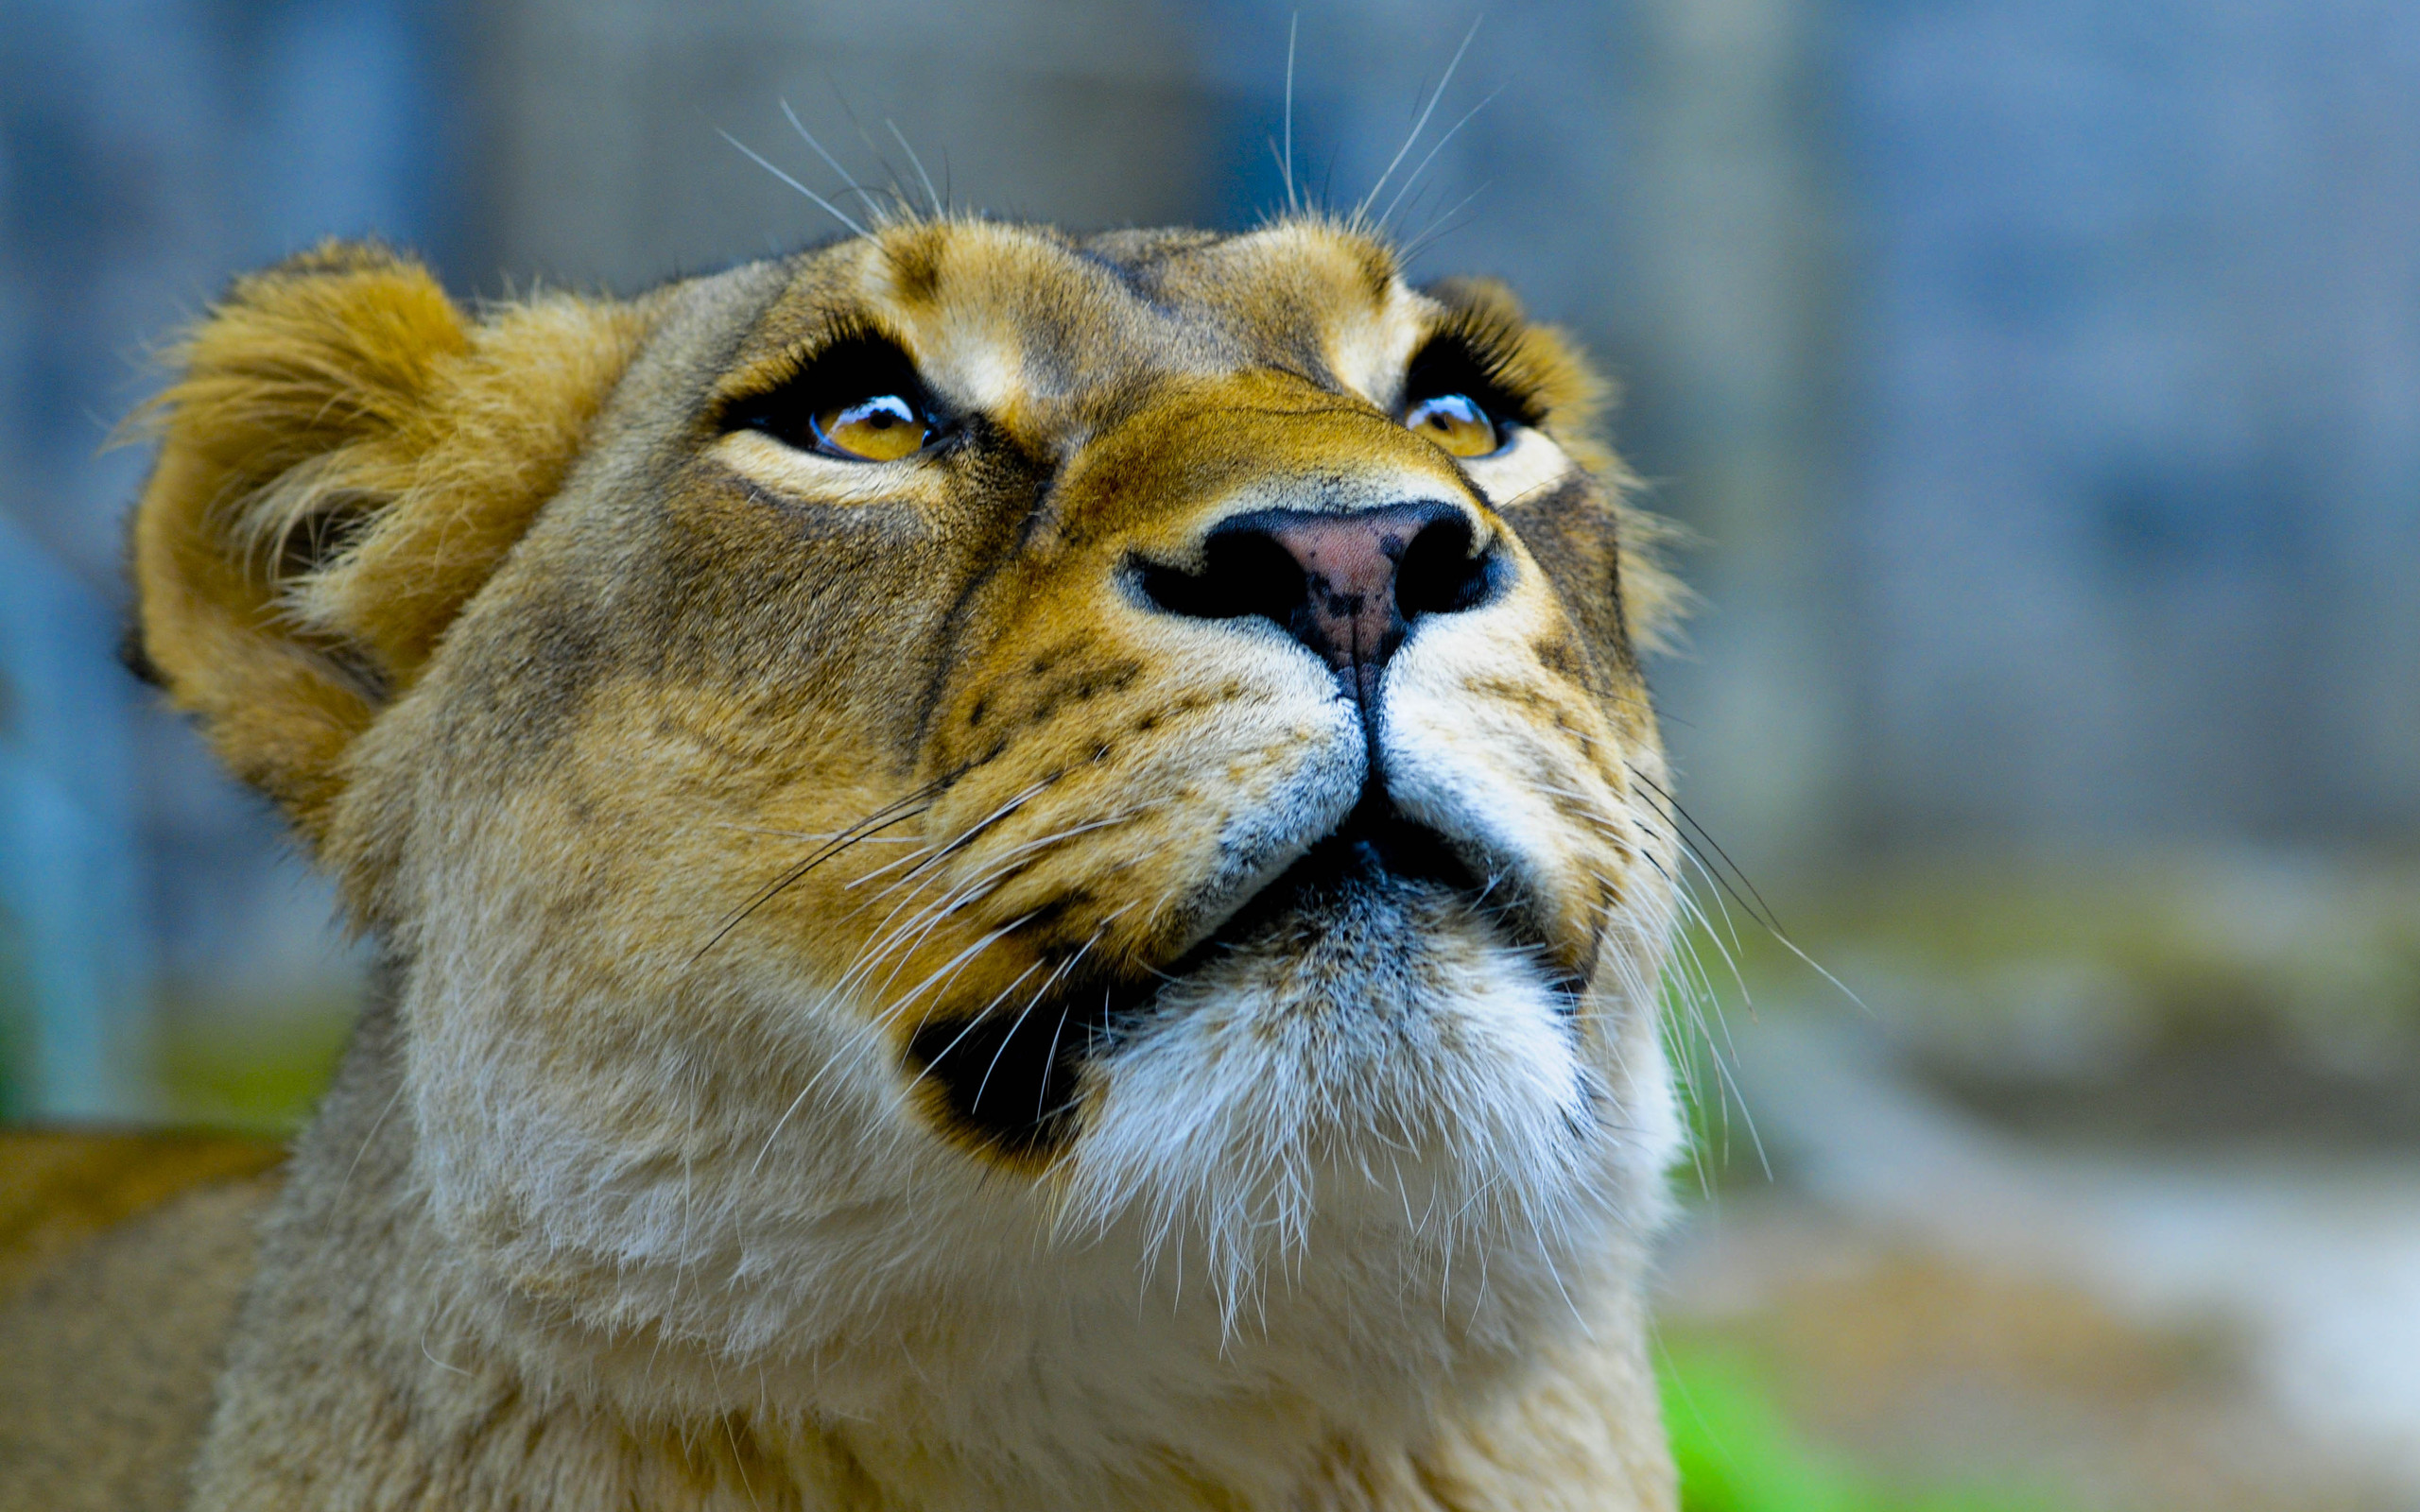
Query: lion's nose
1348	586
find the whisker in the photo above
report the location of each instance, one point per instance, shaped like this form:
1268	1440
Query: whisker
941	212
932	914
772	834
1685	951
1767	916
1438	146
1730	927
911	859
1443	226
1031	1002
1360	211
1690	984
1285	160
1042	1094
929	916
829	208
1027	1012
1058	836
830	1061
973	831
898	811
874	206
952	969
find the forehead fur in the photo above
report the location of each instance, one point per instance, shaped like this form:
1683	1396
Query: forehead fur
1004	318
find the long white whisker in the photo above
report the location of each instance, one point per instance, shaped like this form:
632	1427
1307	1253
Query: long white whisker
1285	160
1413	177
891	814
1443	224
1027	1012
1361	209
971	832
1033	1001
925	921
951	968
767	831
874	206
1001	866
941	212
829	208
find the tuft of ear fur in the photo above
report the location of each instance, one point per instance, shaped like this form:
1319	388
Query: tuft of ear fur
345	457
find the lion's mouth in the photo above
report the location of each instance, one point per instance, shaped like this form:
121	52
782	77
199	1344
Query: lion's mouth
1011	1080
1375	847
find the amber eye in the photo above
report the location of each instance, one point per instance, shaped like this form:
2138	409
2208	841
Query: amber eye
1454	421
881	429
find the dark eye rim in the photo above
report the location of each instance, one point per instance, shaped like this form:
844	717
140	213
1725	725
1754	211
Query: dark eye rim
846	372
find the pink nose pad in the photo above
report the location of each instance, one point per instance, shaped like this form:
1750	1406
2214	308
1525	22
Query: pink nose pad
1349	587
1349	613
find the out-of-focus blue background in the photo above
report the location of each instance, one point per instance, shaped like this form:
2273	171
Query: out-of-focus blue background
2040	379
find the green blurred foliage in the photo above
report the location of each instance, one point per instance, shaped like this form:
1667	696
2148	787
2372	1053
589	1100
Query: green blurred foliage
1737	1453
258	1067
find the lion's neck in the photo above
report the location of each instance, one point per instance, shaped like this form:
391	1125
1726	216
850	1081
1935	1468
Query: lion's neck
372	1369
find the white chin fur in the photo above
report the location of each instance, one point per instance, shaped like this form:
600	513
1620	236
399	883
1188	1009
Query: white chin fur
1436	1112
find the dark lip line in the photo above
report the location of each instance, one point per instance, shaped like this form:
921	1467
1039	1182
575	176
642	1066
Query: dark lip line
1376	840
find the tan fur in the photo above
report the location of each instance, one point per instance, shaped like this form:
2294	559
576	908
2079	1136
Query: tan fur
708	796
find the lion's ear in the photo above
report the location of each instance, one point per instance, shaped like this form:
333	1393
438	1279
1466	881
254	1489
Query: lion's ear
344	458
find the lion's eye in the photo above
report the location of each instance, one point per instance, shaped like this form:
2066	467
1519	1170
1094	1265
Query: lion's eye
881	429
860	399
1454	421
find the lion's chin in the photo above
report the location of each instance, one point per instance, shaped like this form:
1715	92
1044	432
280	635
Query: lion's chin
1375	1065
1376	931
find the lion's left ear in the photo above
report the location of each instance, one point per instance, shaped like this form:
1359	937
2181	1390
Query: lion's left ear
345	457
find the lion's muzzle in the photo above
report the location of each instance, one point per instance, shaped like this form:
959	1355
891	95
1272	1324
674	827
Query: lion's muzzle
1349	587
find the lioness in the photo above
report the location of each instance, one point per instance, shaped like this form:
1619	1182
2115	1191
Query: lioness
1015	871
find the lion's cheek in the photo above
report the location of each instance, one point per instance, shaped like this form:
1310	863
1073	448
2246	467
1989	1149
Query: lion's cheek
1482	736
1136	789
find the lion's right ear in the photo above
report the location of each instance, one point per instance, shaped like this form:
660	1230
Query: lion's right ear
345	457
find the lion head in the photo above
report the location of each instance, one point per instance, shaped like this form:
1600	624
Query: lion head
967	806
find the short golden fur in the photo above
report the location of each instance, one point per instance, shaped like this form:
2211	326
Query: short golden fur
909	983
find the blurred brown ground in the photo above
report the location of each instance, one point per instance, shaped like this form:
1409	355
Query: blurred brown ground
1924	1369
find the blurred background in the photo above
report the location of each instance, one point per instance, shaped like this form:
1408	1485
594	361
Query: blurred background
2038	380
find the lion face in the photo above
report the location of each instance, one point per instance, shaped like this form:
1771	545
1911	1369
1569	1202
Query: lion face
961	765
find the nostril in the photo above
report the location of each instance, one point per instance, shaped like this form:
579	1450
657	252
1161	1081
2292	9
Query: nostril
1346	586
1437	573
1243	572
